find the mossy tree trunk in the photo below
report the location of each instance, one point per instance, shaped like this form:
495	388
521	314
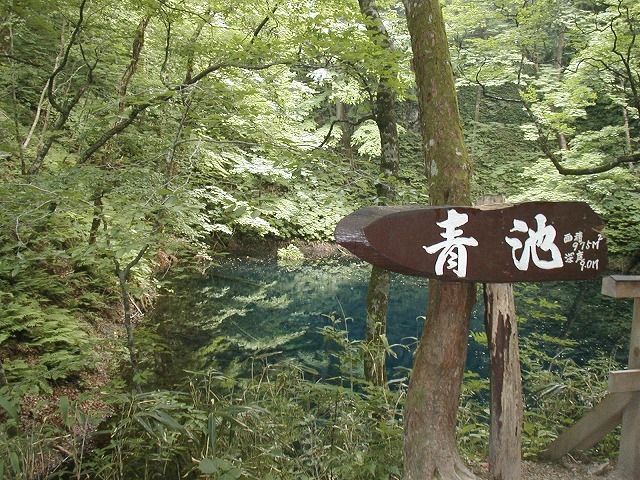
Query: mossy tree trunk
430	445
380	280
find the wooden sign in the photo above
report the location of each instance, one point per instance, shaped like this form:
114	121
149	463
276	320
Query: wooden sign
528	242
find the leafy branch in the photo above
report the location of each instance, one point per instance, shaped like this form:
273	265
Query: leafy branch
547	148
556	160
64	110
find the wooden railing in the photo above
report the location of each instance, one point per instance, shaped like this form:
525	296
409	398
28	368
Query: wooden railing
622	402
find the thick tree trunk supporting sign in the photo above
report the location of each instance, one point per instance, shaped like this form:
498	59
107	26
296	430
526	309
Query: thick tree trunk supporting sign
430	447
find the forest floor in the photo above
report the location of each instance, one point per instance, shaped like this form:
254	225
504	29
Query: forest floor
566	469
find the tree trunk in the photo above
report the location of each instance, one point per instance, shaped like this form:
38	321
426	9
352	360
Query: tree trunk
558	65
430	449
476	118
380	281
123	278
447	163
128	325
98	206
342	114
627	124
501	326
572	316
136	50
432	400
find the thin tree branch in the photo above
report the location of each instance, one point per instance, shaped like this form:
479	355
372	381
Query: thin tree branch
333	124
556	159
259	28
549	151
136	50
163	97
65	59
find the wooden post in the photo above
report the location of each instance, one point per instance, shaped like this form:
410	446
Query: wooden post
505	454
620	286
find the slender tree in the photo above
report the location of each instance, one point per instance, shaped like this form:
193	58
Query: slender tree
380	280
430	412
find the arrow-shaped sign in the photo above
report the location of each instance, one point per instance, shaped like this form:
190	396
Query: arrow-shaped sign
528	242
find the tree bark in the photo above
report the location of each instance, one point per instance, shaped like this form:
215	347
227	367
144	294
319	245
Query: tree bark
136	50
432	400
3	376
430	449
342	114
501	326
476	118
123	279
98	207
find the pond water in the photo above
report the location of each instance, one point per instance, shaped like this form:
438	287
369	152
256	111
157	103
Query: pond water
261	307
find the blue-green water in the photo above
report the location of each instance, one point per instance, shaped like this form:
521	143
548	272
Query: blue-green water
259	307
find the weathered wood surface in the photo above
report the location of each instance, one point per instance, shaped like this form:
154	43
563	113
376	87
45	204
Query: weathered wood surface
624	381
591	428
629	457
621	286
634	343
505	454
534	241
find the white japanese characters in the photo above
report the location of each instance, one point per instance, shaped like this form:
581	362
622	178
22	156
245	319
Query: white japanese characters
579	245
532	246
540	240
453	250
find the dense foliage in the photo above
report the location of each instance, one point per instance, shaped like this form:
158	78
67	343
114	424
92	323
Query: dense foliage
141	139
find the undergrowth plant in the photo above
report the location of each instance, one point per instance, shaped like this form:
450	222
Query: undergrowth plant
559	390
278	423
54	445
269	418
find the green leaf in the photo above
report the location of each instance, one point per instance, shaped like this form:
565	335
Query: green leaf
211	430
15	462
169	421
10	408
208	465
232	474
64	409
